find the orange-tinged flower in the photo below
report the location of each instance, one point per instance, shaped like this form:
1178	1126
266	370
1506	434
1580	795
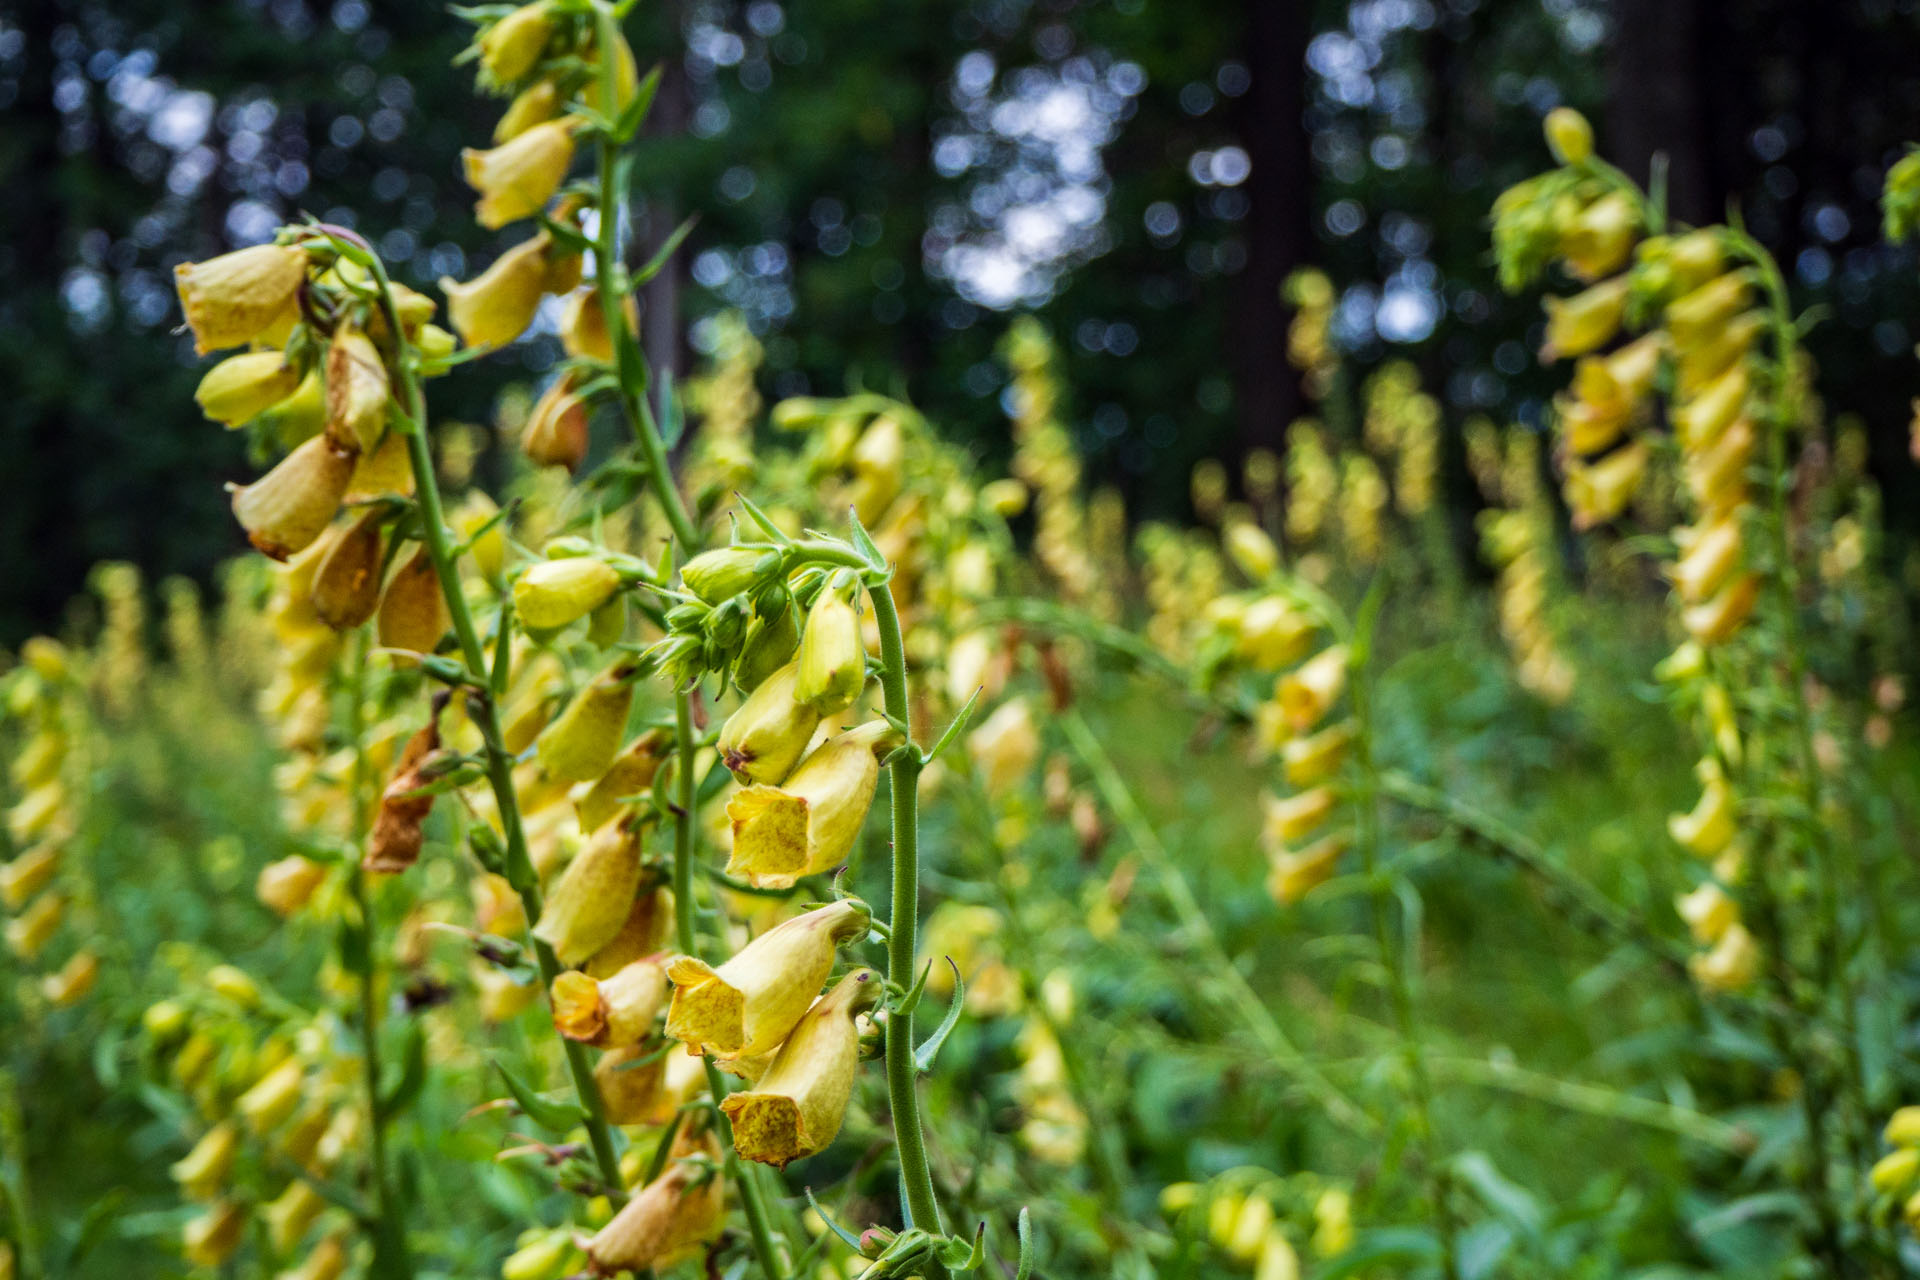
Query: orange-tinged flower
413	612
798	1103
665	1222
808	824
611	1012
746	1007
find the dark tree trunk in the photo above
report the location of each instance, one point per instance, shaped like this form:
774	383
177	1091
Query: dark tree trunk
662	333
1655	102
1270	121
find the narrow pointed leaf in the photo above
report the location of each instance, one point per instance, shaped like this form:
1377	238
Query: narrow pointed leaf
543	1111
923	1056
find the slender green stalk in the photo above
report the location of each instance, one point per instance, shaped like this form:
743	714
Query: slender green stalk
629	361
1396	956
392	1254
16	1188
688	942
903	1099
1240	997
438	540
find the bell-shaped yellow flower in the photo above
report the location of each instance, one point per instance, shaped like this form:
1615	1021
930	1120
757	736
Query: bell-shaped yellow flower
583	325
515	180
557	430
27	874
1272	633
289	1214
231	299
273	1097
1292	818
746	1007
833	657
808	824
512	47
1601	237
1733	963
1586	321
1293	873
496	306
202	1172
357	390
553	593
1716	620
1710	826
796	1106
1252	550
241	388
1709	556
1308	692
327	1261
1732	341
1700	420
594	894
346	583
213	1237
1708	911
650	1094
1312	760
581	743
1599	491
763	740
413	612
286	509
630	774
611	1012
536	104
1696	318
665	1222
1717	476
1277	1260
287	885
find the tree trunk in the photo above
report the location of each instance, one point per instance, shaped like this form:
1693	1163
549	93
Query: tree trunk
1655	102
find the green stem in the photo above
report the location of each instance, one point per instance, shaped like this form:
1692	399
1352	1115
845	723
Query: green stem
1396	955
689	943
392	1254
438	540
630	366
1240	997
916	1177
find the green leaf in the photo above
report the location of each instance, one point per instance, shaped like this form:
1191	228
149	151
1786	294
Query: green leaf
546	1112
762	519
911	1000
852	1241
673	417
413	1076
1026	1246
636	113
923	1056
1391	1244
864	544
657	263
955	729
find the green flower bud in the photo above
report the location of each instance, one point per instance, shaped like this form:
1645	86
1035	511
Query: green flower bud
770	641
555	592
727	571
762	741
833	657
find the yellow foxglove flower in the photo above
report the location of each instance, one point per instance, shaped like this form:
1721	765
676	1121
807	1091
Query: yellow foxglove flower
581	743
1709	827
796	1106
542	1255
1708	911
290	1213
1717	619
27	874
231	299
512	47
554	593
630	774
40	760
386	468
39	812
1896	1173
1252	550
879	459
413	612
489	549
213	1237
327	1261
1903	1127
1696	319
1717	476
594	894
515	180
763	740
202	1172
535	104
1712	553
1701	420
626	79
286	509
287	885
502	997
1333	1222
1006	746
346	584
1601	238
1731	965
1599	491
612	1012
833	657
242	387
1272	633
649	1094
1292	818
557	431
1292	874
1569	136
1314	759
583	325
668	1220
357	391
1700	365
1308	692
648	930
496	306
746	1007
809	823
1248	1232
273	1097
1277	1260
1590	426
719	575
30	931
1586	321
